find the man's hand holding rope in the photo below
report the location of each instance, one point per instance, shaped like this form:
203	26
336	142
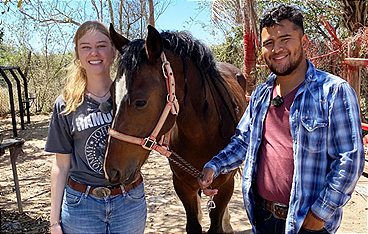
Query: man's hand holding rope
206	180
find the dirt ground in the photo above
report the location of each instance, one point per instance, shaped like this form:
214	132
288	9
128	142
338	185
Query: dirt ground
165	212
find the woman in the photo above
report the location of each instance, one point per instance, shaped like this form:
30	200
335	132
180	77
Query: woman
82	200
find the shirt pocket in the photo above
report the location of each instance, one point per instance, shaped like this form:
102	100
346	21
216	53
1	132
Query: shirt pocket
314	133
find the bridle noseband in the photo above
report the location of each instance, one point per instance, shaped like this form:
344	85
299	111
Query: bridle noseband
172	105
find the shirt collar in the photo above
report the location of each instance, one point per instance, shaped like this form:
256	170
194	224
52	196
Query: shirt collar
311	72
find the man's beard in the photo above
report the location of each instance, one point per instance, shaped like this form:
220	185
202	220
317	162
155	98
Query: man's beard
285	70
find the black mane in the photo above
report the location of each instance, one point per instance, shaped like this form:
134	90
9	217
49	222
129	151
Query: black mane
185	46
181	43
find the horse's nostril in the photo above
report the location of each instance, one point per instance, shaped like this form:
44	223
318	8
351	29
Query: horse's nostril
114	176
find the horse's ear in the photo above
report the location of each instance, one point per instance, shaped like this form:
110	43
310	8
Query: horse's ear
118	40
154	45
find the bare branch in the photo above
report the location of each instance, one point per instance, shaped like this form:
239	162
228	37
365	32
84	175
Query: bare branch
101	10
121	16
93	2
111	11
67	20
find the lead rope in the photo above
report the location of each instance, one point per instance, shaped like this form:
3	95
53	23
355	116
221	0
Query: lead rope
180	162
149	143
191	170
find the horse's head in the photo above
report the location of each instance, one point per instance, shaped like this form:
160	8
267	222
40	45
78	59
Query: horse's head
140	95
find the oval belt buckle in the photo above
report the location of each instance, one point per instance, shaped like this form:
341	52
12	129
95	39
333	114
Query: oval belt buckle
101	192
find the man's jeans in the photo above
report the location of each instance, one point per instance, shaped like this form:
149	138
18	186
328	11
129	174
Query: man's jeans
83	213
266	223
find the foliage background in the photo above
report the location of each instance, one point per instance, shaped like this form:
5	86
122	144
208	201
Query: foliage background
349	19
40	40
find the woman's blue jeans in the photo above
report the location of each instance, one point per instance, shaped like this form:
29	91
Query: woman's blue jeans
84	213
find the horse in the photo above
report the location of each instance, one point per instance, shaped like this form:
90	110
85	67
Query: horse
169	89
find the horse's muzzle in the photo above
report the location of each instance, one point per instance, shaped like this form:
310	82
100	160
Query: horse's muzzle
116	176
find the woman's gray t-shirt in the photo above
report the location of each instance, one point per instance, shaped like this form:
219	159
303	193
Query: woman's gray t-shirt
82	134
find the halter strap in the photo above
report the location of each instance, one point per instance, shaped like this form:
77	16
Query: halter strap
172	105
170	84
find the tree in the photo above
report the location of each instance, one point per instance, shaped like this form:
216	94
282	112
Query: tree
151	20
336	27
354	19
45	28
230	50
125	15
231	14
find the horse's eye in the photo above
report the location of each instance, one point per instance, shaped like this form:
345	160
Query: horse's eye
140	104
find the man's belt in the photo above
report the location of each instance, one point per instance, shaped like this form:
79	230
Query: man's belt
278	210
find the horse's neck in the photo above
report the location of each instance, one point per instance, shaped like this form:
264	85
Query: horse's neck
201	116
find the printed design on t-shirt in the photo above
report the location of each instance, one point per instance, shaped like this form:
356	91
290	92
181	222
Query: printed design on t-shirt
95	149
93	120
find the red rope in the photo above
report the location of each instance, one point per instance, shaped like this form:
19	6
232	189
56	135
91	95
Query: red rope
365	126
335	40
325	55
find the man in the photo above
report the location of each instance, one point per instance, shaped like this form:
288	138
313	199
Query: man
300	138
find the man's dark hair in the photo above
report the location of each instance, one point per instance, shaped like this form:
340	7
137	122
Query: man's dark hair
282	12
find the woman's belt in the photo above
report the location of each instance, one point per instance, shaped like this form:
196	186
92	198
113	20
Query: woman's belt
104	191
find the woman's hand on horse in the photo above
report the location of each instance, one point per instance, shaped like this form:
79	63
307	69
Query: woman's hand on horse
206	180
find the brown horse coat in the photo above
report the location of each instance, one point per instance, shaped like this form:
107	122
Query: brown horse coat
211	104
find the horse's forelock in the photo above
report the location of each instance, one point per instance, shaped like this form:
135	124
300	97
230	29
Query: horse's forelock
128	63
133	55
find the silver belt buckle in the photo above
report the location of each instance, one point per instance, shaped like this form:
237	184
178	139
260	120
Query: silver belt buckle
277	210
101	192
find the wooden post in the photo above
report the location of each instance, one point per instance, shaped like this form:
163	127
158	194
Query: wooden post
353	71
357	62
14	145
14	152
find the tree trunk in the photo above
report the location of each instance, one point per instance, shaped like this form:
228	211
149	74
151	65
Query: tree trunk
355	17
111	11
249	39
151	19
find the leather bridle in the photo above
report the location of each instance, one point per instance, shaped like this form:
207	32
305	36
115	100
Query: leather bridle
172	105
150	143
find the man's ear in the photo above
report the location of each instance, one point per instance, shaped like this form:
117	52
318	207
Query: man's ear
305	41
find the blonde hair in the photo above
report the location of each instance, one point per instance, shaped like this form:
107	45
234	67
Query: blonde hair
76	79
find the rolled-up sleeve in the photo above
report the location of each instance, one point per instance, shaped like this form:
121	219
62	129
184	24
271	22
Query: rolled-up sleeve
345	149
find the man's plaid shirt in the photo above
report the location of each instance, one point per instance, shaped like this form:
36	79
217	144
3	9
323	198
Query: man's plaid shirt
328	151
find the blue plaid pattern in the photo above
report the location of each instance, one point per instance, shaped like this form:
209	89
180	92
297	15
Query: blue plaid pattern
328	150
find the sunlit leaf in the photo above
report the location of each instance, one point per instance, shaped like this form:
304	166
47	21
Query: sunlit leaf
19	3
